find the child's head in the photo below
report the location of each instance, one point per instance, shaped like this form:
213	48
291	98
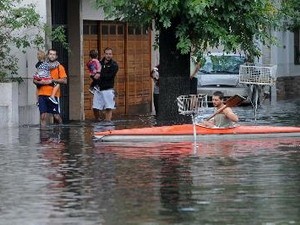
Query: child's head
94	54
41	55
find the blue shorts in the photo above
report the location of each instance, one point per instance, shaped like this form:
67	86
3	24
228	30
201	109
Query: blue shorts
46	106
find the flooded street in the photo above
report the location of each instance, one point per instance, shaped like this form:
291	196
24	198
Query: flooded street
61	175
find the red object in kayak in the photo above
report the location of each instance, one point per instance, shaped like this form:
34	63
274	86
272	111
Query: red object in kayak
184	132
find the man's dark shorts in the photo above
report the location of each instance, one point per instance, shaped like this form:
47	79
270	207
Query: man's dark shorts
46	106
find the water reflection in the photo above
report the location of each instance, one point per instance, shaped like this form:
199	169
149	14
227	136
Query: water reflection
202	149
176	189
60	175
231	182
63	155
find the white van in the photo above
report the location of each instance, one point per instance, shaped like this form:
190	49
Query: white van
221	73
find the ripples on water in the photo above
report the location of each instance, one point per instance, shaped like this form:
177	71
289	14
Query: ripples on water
63	176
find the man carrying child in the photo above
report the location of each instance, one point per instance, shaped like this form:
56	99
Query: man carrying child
45	89
44	67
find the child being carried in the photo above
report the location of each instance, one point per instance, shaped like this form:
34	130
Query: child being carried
43	73
94	68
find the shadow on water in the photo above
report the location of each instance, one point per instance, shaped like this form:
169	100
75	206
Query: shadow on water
61	175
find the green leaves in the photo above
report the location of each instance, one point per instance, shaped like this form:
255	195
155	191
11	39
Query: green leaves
290	13
237	25
21	28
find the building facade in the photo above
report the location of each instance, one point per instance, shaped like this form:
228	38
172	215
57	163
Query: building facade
87	29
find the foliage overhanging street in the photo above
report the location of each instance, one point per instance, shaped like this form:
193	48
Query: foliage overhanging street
237	26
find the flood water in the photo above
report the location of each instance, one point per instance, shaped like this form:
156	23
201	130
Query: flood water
62	176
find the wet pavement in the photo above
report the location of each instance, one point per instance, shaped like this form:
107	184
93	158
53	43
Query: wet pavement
61	175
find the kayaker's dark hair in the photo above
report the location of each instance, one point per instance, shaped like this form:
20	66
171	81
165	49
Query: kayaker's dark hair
219	94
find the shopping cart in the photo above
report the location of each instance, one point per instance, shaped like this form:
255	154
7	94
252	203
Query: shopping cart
257	74
257	77
192	105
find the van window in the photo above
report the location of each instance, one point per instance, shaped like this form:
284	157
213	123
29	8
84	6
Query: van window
222	64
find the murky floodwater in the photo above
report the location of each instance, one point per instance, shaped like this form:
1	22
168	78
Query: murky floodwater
60	175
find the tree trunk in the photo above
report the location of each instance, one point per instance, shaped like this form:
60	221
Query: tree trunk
173	77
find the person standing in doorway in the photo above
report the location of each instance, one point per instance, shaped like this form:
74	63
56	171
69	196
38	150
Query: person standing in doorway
155	76
104	100
197	61
45	89
195	66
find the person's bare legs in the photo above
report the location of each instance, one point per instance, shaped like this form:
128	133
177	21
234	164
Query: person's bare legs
55	89
108	114
43	119
57	119
96	114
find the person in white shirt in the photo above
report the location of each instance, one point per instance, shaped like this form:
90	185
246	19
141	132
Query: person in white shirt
155	76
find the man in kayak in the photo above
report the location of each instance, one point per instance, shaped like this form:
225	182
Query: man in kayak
225	118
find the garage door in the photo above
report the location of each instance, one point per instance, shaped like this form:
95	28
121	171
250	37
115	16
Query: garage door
132	51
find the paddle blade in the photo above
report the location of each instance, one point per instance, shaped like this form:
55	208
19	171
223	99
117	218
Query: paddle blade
234	101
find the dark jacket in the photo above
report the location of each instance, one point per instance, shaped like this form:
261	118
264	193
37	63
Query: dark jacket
108	74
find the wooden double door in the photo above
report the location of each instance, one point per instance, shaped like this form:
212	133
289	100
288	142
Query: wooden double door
132	51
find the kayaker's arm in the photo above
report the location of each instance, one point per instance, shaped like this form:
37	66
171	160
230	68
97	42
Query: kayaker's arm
231	115
209	123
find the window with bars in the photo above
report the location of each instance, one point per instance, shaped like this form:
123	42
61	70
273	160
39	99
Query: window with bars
112	29
137	30
90	28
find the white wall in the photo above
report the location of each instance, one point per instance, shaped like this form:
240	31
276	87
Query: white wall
28	112
89	11
282	55
28	60
8	105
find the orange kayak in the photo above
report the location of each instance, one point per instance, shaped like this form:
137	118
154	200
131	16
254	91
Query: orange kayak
178	133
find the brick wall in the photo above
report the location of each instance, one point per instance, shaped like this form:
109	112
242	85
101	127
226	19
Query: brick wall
288	87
